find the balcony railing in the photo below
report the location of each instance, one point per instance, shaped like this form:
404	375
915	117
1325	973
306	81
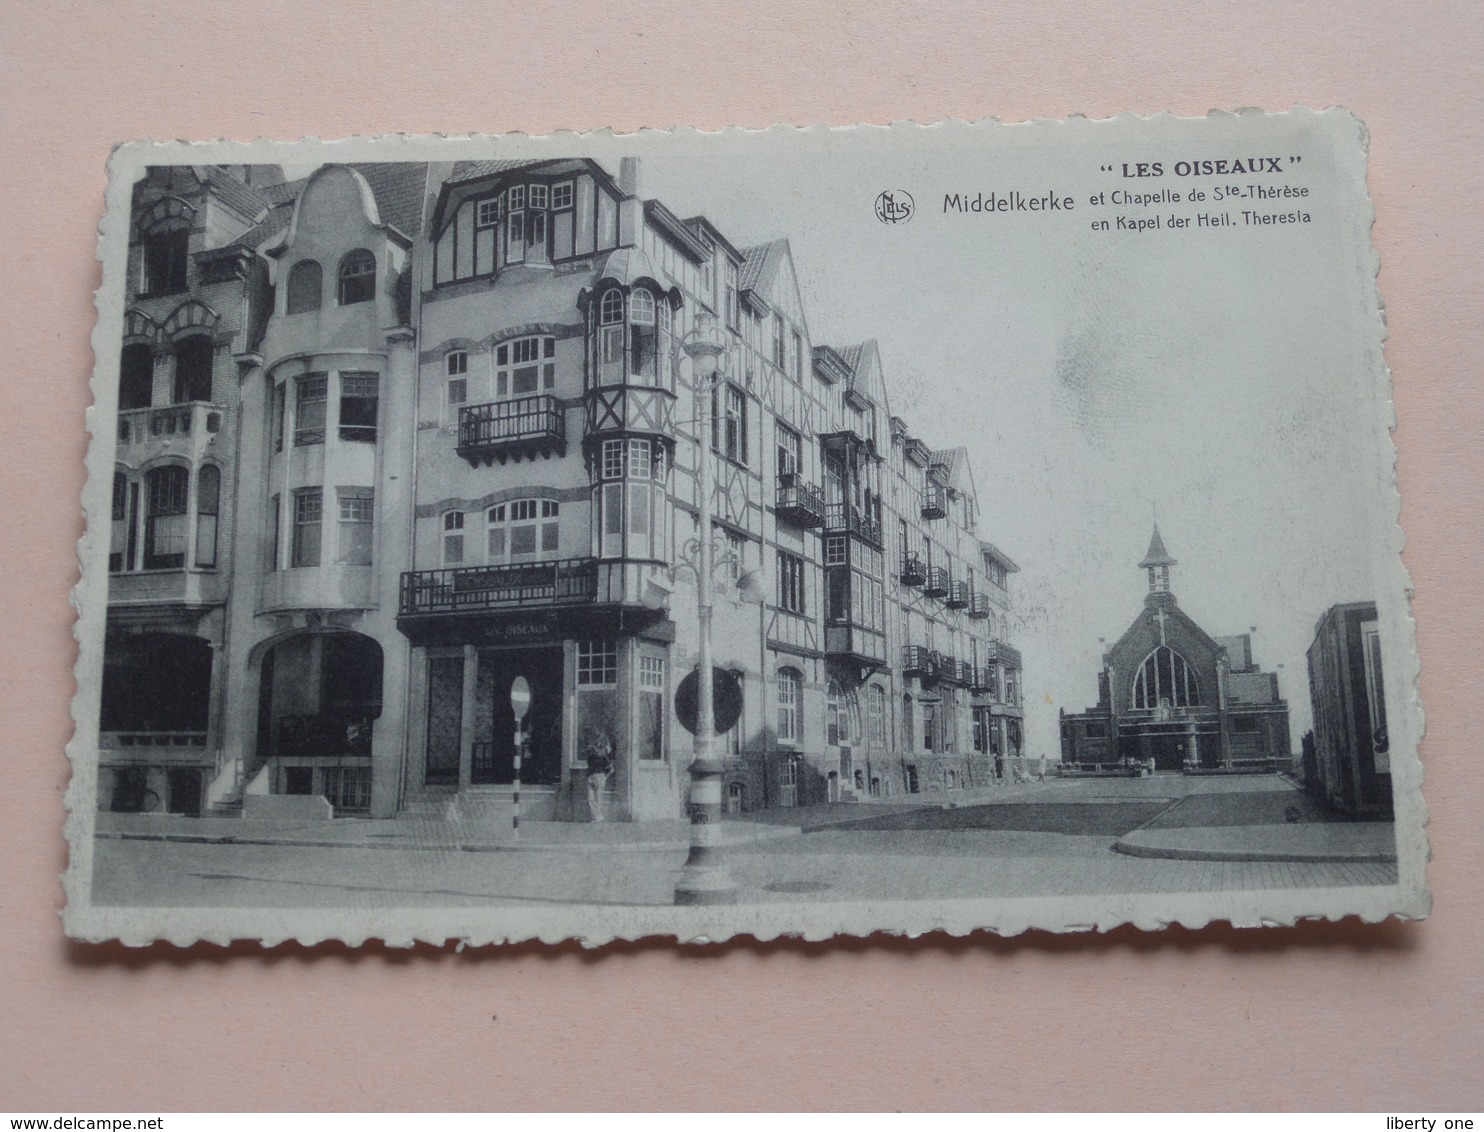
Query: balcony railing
560	582
935	501
1009	657
799	503
160	738
958	595
948	668
979	605
501	430
918	661
985	679
849	518
913	572
937	583
192	418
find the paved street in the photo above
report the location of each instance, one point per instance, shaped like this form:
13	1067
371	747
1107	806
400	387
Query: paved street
1046	839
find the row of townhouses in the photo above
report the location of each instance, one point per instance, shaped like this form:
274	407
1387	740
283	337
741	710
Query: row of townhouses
391	436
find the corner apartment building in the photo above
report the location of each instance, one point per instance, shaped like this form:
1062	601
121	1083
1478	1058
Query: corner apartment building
468	452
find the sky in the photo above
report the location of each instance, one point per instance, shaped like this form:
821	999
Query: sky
1224	379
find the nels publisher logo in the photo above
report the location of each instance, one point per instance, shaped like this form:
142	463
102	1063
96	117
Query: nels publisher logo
894	206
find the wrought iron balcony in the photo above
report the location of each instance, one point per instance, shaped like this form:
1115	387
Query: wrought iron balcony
938	583
948	668
985	679
502	430
799	503
849	518
913	573
979	605
917	661
935	501
958	595
566	581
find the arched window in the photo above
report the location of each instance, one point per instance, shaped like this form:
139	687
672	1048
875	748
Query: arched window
453	538
612	309
643	341
610	338
168	489
357	277
208	507
136	376
641	307
1164	677
790	699
306	286
193	369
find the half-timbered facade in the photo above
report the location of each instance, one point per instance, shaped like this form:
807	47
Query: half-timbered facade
467	449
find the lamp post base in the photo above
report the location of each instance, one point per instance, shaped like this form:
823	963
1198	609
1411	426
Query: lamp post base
705	879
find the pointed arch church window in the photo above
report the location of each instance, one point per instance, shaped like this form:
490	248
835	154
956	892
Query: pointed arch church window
1165	678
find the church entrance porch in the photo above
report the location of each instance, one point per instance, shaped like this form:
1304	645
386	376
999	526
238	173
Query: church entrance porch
1169	751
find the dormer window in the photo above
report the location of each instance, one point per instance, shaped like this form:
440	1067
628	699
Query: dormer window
305	287
357	278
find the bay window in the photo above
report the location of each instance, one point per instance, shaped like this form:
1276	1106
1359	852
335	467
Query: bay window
357	509
208	506
308	516
167	493
358	406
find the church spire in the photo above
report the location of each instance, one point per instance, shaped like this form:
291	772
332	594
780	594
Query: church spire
1157	562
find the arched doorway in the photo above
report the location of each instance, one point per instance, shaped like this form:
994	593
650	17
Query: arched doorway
318	701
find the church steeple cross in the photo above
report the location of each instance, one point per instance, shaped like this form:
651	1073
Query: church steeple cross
1160	615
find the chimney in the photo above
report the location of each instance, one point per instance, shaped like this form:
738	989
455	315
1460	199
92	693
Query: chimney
628	175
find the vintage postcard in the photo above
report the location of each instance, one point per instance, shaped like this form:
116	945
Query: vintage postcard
797	532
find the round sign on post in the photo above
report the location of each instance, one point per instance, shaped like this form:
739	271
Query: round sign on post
726	699
520	698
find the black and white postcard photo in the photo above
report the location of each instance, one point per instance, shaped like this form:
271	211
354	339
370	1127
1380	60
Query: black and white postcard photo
801	533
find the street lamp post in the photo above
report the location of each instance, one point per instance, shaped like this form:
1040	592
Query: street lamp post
705	878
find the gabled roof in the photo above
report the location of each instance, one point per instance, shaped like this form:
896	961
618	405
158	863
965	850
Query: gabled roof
235	194
274	221
473	170
760	264
701	224
398	188
1157	555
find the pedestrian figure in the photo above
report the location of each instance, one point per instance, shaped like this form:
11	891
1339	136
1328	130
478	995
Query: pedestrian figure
999	769
1040	768
598	750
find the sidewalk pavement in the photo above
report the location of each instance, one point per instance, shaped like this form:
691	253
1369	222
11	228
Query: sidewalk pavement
1305	842
468	836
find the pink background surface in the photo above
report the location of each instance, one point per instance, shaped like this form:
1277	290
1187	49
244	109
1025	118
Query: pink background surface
1323	1016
